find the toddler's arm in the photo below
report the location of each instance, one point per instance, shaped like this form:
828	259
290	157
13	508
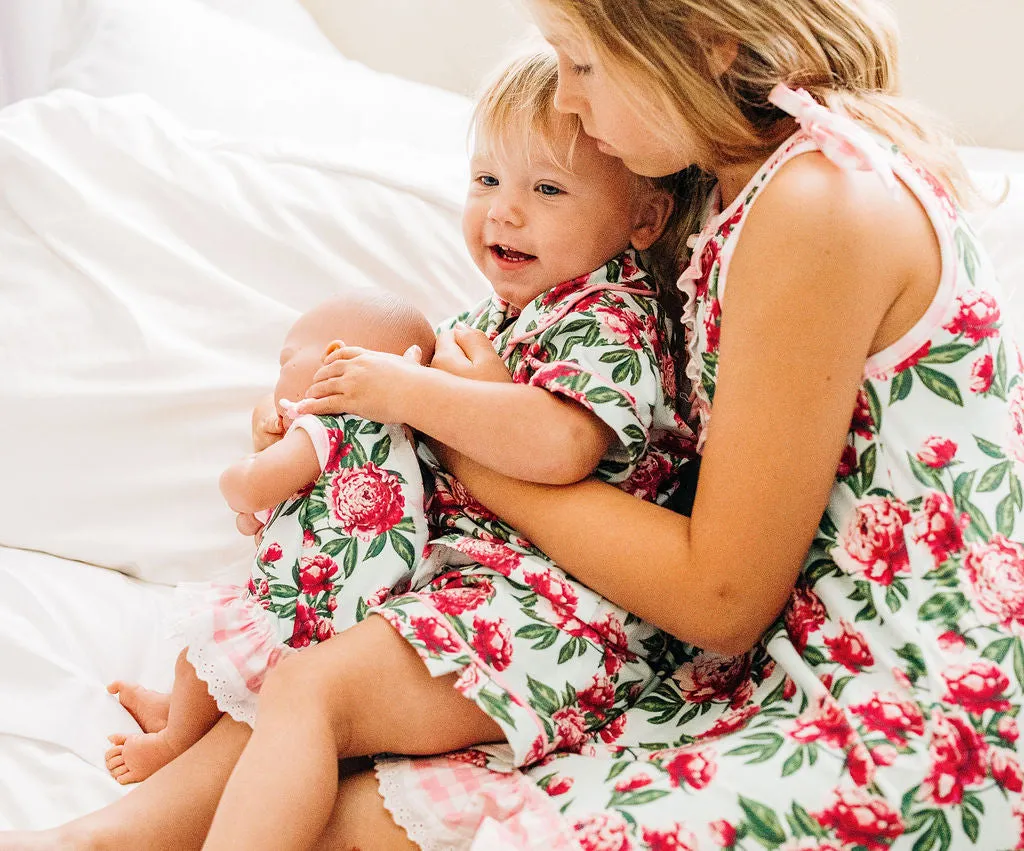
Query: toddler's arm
267	478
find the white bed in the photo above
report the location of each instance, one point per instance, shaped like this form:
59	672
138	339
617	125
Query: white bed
200	171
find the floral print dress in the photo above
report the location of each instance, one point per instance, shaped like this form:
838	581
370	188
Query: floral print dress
881	710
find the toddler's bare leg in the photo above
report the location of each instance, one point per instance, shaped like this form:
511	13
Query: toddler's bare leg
359	819
191	714
363	692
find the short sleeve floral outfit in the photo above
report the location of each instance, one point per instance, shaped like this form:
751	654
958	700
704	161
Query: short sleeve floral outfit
881	710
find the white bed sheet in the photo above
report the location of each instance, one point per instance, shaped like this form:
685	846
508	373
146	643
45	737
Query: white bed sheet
67	629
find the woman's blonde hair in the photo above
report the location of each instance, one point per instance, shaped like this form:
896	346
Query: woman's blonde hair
843	52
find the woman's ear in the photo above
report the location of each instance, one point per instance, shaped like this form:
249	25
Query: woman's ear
652	215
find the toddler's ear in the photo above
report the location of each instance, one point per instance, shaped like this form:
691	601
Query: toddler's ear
653	210
333	347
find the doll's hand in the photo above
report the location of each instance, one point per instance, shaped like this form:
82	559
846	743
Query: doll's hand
468	353
267	427
373	385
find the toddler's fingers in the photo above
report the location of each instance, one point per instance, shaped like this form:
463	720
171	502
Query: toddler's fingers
323	406
342	352
247	524
414	353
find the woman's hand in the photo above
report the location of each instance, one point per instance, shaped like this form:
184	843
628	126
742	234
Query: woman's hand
466	352
267	427
373	385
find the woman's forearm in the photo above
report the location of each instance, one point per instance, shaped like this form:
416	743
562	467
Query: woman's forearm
635	553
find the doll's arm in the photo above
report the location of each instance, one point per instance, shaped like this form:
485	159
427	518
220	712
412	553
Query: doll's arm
267	478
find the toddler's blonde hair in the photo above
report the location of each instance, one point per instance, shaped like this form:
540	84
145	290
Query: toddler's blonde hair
843	52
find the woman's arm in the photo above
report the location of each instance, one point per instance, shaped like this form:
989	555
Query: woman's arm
269	477
801	314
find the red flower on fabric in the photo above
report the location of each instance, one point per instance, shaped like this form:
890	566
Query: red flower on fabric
272	553
598	696
850	648
676	838
1016	430
723	834
884	755
982	374
977	687
860	765
873	544
553	588
712	325
978	316
951	642
806	614
559	786
316	574
913	358
825	721
995	571
623	326
366	501
862	422
637	781
847	463
493	641
648	476
735	719
1006	771
613	634
454	600
613	730
1007	729
337	449
436	636
860	818
570	728
709	676
693	767
937	452
304	626
958	759
604	831
498	557
470	756
939	526
891	716
260	590
378	596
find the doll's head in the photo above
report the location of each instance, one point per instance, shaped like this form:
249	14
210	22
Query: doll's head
368	319
545	203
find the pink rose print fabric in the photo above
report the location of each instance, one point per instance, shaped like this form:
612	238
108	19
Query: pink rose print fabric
552	662
881	711
324	558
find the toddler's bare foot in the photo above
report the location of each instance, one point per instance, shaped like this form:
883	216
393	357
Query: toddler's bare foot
42	840
148	708
134	758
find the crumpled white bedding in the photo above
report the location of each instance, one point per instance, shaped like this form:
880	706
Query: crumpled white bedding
66	630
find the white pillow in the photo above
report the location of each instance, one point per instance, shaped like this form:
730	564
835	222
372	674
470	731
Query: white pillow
149	273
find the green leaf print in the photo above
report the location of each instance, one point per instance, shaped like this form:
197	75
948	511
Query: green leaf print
948	353
763	823
376	546
311	511
761	746
1016	490
968	253
617	769
867	467
381	450
351	560
496	708
947	607
635	799
1000	376
604	395
939	383
912	655
567	652
998	649
874	406
993	477
794	763
543	696
989	448
361	610
403	546
970	823
1006	516
627	372
338	545
925	474
545	635
902	384
802	823
666	709
370	427
285	591
1018	661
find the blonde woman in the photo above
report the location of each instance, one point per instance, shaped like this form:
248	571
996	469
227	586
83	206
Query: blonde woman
852	567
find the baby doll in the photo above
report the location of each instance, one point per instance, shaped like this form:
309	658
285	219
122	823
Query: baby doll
337	494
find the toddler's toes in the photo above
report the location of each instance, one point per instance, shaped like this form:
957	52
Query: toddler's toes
117	738
115	759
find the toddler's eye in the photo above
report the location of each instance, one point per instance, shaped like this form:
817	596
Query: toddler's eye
548	189
487	180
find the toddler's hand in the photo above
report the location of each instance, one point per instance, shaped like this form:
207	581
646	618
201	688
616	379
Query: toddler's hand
267	427
468	353
247	524
359	381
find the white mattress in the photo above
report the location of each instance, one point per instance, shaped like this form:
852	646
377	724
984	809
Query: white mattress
67	629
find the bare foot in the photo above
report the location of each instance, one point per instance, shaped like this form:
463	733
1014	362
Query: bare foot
148	708
42	840
134	758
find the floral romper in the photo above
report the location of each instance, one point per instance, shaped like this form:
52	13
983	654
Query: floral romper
881	709
547	658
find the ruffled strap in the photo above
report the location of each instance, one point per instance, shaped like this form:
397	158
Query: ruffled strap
839	137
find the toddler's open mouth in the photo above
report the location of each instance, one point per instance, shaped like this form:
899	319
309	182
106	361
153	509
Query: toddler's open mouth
510	255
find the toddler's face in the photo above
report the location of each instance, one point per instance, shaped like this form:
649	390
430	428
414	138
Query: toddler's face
530	224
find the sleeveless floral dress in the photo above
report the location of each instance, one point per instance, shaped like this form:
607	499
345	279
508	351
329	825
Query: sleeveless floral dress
881	710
